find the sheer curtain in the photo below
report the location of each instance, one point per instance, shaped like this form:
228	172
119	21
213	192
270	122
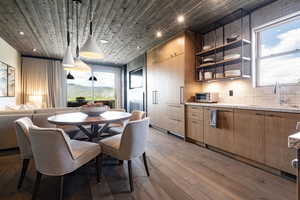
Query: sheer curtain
43	78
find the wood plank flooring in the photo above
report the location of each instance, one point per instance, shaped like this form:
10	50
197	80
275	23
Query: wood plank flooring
178	171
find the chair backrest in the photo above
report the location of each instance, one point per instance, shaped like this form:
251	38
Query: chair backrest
137	115
52	151
22	132
133	139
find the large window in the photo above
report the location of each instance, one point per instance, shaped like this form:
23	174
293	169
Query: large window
278	53
101	84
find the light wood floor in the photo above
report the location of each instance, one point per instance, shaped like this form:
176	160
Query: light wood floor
179	171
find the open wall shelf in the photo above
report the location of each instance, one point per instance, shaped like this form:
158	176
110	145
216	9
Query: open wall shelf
228	49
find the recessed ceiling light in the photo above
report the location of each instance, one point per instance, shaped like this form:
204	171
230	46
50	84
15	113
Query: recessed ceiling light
158	34
138	47
104	41
21	33
180	19
34	50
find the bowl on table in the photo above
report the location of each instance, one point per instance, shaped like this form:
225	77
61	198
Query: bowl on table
93	110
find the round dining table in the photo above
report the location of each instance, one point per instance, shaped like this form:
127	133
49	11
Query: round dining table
82	120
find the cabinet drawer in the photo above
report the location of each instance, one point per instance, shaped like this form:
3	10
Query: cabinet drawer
195	130
176	126
175	112
195	112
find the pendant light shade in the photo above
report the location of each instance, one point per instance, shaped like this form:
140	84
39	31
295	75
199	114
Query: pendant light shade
70	76
93	78
68	60
90	49
79	66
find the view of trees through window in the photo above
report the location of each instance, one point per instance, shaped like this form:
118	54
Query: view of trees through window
279	53
101	89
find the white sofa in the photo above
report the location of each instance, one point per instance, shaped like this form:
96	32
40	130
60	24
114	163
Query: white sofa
38	116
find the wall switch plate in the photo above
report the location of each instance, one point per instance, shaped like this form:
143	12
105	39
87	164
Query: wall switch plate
231	93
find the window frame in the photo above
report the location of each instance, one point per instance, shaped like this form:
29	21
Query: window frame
256	48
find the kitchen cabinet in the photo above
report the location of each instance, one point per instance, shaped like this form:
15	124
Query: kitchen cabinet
194	123
222	136
170	82
249	138
278	126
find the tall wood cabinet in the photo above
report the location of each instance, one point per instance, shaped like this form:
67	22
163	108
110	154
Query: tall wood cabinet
171	82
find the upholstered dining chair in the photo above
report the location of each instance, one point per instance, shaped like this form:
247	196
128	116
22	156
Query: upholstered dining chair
129	145
135	115
55	154
22	134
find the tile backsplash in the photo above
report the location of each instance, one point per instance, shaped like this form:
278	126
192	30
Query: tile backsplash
244	93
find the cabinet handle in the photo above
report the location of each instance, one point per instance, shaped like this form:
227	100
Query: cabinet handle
153	97
260	114
194	115
194	122
225	111
156	97
181	95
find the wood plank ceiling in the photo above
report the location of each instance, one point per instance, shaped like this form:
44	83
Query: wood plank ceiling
126	24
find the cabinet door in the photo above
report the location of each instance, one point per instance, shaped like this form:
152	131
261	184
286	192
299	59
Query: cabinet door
278	127
222	136
194	123
249	134
175	119
174	79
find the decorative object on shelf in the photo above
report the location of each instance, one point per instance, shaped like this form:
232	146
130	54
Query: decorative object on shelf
94	109
232	38
219	75
78	65
93	78
232	56
208	60
70	76
233	73
68	60
208	75
206	47
200	76
90	48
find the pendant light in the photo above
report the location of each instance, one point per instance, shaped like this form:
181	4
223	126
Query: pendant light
70	76
78	65
93	78
90	48
68	60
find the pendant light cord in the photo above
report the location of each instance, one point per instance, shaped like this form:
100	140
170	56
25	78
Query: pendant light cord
77	27
68	25
91	17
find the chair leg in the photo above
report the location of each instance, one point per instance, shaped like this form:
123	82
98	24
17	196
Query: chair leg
121	162
130	176
61	188
36	185
97	169
145	163
23	172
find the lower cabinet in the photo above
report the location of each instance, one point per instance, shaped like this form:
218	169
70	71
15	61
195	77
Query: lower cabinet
194	123
278	126
249	138
222	136
174	121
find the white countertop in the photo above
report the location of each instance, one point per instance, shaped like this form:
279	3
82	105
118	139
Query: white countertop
288	109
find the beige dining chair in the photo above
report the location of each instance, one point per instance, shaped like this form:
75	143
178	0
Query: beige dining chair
135	115
129	145
55	154
22	134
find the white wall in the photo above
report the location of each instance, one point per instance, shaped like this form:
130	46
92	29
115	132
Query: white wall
11	57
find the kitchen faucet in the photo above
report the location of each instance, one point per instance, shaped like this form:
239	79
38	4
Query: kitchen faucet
278	91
